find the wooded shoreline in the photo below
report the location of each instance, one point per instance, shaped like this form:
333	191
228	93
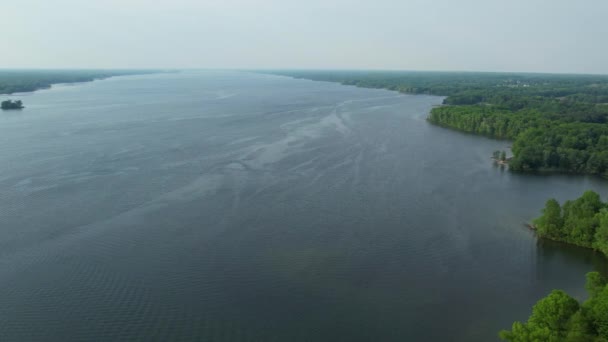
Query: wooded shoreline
23	81
557	122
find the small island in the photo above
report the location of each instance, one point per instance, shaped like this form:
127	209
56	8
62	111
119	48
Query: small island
500	157
10	104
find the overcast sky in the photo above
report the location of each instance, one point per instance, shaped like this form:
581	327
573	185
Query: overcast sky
483	35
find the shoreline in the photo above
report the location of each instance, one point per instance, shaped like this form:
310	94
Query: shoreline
568	243
532	227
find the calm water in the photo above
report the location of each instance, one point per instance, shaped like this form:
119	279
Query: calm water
224	206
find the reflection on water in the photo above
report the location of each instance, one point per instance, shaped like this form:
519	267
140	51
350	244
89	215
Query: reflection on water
549	250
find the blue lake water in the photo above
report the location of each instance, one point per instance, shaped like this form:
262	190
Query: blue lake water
231	206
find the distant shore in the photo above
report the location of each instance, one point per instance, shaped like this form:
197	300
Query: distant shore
25	81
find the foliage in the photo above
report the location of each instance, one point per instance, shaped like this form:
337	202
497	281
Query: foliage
559	317
573	147
551	222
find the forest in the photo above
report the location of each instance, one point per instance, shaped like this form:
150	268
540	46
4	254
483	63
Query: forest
19	81
559	317
556	121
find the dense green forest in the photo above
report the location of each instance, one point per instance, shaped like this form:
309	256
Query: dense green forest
557	122
17	81
583	222
559	317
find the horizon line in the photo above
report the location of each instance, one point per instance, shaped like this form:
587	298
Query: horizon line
322	69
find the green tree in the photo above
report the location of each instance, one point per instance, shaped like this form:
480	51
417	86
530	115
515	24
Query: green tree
581	221
551	222
580	329
595	284
554	311
597	311
601	234
549	321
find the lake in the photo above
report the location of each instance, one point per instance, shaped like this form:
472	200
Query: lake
233	206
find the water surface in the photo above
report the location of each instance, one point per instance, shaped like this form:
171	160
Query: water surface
225	206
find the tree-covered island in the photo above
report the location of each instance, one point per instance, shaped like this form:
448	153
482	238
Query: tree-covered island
557	122
10	104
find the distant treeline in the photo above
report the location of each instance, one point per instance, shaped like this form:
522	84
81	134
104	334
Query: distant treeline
557	121
559	317
17	81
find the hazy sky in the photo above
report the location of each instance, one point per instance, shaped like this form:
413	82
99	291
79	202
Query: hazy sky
485	35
